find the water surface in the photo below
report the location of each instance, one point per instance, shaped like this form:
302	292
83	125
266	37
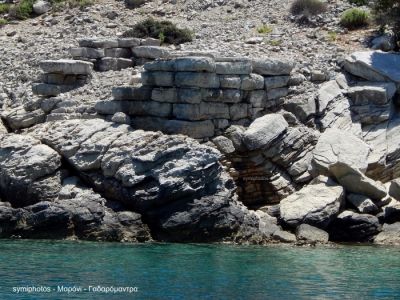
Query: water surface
174	271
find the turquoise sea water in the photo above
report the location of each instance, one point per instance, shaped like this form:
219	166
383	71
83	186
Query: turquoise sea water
173	271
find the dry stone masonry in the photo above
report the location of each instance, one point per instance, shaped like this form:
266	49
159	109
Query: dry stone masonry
61	76
118	53
201	96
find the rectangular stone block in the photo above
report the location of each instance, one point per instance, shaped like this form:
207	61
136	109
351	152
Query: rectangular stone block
151	52
240	67
47	90
165	95
276	82
150	42
194	64
132	93
225	95
53	78
252	82
277	93
269	66
66	66
118	52
230	81
149	123
257	98
91	53
98	43
193	79
160	65
134	108
113	64
221	123
238	111
128	42
190	95
197	130
202	111
158	78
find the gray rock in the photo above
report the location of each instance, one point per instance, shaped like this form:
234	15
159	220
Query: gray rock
134	108
340	146
356	182
47	90
191	79
82	52
351	226
327	93
263	131
132	93
19	118
118	52
268	66
128	42
197	130
394	189
378	93
224	144
276	82
121	118
284	236
309	233
103	43
238	111
277	93
66	66
113	64
252	82
374	65
230	81
158	79
150	42
234	68
151	52
362	203
385	42
194	64
392	212
202	111
28	170
41	7
315	204
390	235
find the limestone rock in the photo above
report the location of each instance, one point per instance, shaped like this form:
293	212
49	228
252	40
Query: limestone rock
362	203
308	233
340	146
356	182
268	66
150	52
263	131
390	235
19	118
351	226
394	189
374	65
315	204
40	7
66	66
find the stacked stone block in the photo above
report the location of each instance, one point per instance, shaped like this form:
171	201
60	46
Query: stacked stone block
201	96
118	53
61	76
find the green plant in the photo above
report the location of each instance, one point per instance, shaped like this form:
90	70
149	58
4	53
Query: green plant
308	7
156	29
354	18
359	2
161	37
4	8
3	22
80	3
275	43
264	29
332	36
23	10
134	3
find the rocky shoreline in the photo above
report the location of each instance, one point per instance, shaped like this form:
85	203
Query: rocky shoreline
298	172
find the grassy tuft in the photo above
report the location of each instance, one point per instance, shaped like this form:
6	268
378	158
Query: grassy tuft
264	29
354	18
308	7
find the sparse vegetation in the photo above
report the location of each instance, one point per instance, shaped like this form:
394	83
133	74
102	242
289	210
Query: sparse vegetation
354	18
264	29
3	22
23	10
134	3
275	43
4	8
332	36
170	33
308	7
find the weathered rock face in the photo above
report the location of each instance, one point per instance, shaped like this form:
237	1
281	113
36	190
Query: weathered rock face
316	204
351	226
334	146
310	234
77	212
29	171
390	235
176	183
374	65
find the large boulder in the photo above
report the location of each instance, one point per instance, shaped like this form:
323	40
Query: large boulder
390	235
307	233
29	170
77	212
356	182
263	131
315	204
350	226
177	184
41	7
336	145
362	203
374	65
